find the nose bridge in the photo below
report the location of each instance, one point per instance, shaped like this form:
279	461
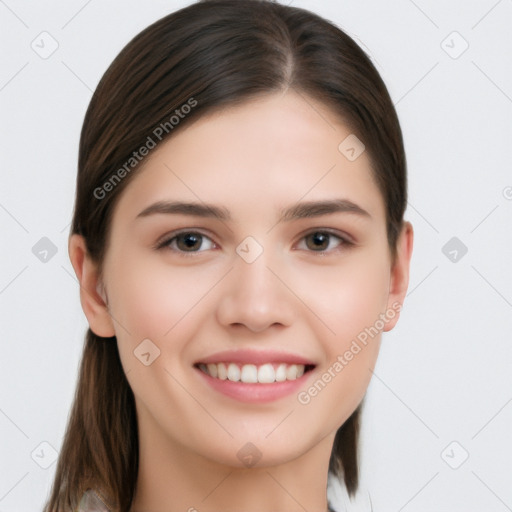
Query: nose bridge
253	257
254	276
253	295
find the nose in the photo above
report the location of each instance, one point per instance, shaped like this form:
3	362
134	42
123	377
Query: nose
254	296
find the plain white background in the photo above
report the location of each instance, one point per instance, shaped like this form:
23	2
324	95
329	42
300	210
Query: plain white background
438	416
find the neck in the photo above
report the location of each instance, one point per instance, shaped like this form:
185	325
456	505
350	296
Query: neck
174	478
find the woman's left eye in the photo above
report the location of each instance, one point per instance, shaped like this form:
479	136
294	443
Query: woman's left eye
323	241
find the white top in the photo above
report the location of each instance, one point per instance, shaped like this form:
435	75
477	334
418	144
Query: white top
340	501
337	496
91	502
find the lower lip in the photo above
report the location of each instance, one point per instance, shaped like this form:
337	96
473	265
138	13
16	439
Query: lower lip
255	393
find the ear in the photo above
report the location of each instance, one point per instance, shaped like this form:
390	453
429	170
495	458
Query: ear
92	295
399	276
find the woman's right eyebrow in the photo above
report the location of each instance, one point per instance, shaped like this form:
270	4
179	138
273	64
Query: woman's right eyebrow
184	208
297	211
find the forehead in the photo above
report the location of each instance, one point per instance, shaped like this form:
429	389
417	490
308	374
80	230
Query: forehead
273	150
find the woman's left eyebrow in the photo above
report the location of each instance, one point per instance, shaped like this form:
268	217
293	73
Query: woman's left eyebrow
298	211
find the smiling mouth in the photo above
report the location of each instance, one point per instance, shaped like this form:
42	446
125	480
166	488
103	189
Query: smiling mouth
267	373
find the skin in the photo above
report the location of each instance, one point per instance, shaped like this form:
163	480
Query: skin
253	160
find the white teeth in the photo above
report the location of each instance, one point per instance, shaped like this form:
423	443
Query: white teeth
233	372
250	373
222	372
291	372
266	374
212	370
281	373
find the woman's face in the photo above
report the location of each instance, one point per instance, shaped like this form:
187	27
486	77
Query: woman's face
280	258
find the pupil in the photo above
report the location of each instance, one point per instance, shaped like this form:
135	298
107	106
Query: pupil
189	240
321	240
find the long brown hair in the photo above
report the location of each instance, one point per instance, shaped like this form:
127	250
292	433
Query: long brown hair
216	53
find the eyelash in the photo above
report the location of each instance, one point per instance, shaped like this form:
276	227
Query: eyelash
165	244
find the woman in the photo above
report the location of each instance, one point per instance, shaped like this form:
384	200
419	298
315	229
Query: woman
239	240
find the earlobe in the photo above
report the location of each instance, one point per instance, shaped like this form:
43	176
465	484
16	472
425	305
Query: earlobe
399	281
93	296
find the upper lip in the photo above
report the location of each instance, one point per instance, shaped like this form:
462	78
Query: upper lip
256	357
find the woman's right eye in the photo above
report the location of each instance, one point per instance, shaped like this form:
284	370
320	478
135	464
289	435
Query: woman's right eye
186	242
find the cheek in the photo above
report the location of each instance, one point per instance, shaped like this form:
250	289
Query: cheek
349	300
152	299
362	297
348	297
141	302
